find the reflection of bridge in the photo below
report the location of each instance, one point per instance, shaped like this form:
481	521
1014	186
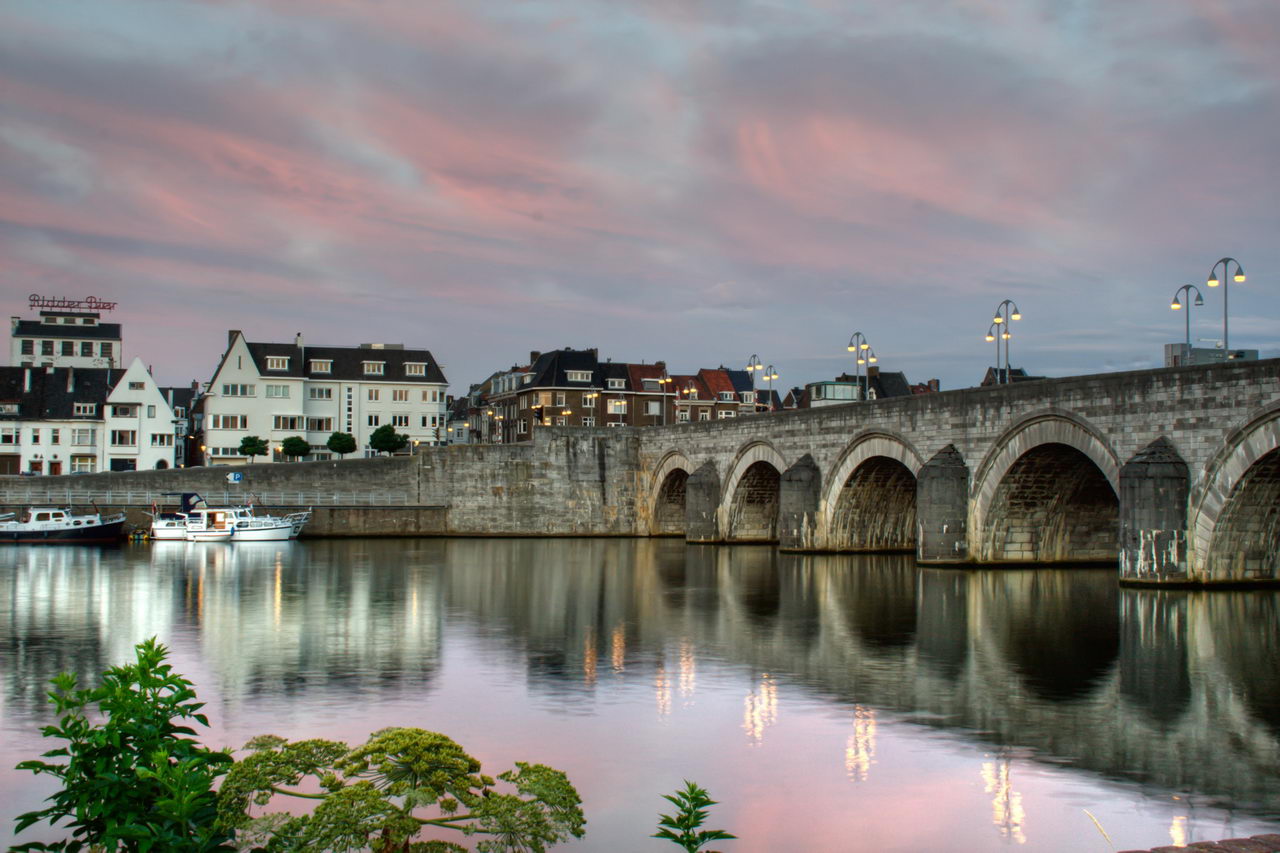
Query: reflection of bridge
1184	462
1169	688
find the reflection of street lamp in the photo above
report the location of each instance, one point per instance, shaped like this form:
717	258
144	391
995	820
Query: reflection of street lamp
1177	306
1010	312
1225	263
863	354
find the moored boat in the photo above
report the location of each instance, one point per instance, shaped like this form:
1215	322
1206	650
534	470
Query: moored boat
53	525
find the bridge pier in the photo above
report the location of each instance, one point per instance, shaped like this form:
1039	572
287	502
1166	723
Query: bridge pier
1154	487
701	505
942	509
800	493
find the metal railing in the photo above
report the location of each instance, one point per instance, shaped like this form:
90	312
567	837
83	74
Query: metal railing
34	495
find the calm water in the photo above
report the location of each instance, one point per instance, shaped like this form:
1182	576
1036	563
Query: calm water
829	703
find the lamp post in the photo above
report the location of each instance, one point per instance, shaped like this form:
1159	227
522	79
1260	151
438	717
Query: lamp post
993	334
1177	305
663	381
754	365
862	354
1005	312
770	374
1225	263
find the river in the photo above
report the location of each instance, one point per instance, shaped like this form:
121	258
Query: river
836	702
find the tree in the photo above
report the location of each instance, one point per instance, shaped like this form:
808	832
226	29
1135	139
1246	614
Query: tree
374	796
251	446
295	446
131	776
341	443
385	439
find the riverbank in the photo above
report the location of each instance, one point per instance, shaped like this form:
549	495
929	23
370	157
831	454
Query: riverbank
1254	844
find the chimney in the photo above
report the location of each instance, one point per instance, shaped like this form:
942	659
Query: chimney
660	364
13	324
534	355
873	370
935	385
26	380
297	340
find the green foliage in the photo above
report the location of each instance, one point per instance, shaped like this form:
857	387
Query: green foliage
385	439
684	827
135	780
382	794
251	445
342	443
295	445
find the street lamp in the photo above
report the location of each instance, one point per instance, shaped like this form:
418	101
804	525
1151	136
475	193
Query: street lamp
754	364
1225	263
663	381
1005	312
862	354
770	374
1176	305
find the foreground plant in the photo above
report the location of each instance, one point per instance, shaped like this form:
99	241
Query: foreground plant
684	828
133	778
382	795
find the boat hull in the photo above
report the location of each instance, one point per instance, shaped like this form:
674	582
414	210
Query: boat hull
85	534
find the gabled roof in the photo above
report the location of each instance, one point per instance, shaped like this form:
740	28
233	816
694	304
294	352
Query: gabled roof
638	373
49	397
891	384
717	380
550	369
741	380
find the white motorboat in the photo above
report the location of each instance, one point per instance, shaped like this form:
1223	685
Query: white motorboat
196	521
53	525
206	524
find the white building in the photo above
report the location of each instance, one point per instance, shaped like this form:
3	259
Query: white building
276	391
68	333
63	420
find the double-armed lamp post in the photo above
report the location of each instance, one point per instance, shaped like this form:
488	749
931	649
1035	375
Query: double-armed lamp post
863	354
1006	312
1178	305
1213	281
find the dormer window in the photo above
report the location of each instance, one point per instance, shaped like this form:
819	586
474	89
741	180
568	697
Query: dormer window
748	396
617	384
321	365
726	396
84	409
415	368
277	362
374	368
579	375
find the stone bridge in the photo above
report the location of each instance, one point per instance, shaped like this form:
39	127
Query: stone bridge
1174	472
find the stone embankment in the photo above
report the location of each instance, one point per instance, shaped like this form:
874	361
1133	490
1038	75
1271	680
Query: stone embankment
1256	844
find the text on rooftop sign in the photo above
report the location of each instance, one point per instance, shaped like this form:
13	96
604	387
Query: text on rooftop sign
61	303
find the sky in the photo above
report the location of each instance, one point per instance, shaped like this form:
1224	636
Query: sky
695	181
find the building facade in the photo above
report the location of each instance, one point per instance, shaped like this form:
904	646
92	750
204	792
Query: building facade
276	391
66	333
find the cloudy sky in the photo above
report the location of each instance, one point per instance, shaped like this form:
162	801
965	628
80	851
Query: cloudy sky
694	180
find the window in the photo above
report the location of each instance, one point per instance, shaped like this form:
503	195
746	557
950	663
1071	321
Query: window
8	408
123	438
81	464
617	407
10	435
399	395
278	392
522	426
321	365
726	414
524	402
224	451
137	386
28	347
229	422
81	437
151	411
179	412
46	347
616	424
415	369
104	349
372	394
653	407
578	375
319	424
277	362
161	439
238	390
748	396
617	384
425	420
374	368
561	420
287	422
559	399
374	420
400	420
682	416
55	436
726	396
124	412
35	436
588	420
704	414
86	348
68	347
320	393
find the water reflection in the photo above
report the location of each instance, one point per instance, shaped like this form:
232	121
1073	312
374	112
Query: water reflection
1177	690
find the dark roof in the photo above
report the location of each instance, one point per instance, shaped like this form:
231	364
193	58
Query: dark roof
347	362
37	329
741	380
994	375
891	383
179	396
551	369
49	397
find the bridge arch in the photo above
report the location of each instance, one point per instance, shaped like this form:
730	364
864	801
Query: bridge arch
751	496
667	494
869	503
1236	520
1047	492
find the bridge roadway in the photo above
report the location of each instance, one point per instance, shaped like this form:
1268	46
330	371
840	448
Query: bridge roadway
1176	471
1173	473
